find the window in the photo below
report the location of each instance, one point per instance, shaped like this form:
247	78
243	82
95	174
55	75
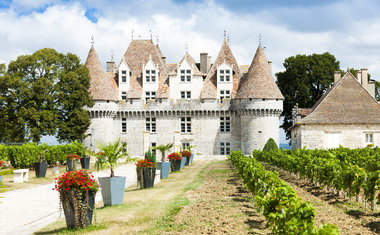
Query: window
224	94
123	95
150	124
153	144
123	76
150	75
150	95
185	124
185	145
185	94
225	148
185	75
224	75
123	125
225	124
369	138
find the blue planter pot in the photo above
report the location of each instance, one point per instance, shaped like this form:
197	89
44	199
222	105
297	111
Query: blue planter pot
112	190
1	178
164	168
183	162
192	158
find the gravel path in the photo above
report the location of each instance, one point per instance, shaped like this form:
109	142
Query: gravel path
25	211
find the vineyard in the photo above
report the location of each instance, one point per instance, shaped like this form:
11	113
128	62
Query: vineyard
353	172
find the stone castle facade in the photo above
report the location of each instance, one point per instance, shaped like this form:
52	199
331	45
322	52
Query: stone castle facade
218	107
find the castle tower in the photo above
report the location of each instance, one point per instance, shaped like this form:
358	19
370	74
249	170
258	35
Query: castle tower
260	103
104	92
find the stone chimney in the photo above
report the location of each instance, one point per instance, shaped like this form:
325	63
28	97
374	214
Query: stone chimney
163	58
364	73
270	67
203	62
359	76
111	67
208	63
336	76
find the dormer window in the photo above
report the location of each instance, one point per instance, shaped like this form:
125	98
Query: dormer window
185	75
124	76
225	75
150	75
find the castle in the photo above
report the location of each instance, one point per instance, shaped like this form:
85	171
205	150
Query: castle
218	107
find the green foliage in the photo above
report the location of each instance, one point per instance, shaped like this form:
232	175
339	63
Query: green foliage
270	145
377	90
284	211
26	155
305	79
163	149
150	156
111	154
44	94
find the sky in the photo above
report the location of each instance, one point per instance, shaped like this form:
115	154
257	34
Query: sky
349	29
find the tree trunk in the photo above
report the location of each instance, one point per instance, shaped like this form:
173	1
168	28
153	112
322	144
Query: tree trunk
112	172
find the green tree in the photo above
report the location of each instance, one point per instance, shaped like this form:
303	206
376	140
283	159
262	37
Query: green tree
377	90
44	94
270	145
305	79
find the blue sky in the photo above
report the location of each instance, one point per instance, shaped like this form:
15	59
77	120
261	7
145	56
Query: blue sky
348	29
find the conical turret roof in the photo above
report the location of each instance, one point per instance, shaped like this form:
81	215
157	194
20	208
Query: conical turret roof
102	85
258	82
225	55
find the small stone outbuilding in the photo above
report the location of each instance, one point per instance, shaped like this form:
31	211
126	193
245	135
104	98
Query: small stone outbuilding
347	115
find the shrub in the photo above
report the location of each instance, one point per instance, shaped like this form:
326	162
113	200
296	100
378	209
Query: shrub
270	145
150	156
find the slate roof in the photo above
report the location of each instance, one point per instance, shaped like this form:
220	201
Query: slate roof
136	56
258	82
209	90
347	102
102	85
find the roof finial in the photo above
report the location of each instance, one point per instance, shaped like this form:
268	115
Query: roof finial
92	40
157	38
224	33
132	34
348	69
260	39
112	54
151	35
228	38
186	47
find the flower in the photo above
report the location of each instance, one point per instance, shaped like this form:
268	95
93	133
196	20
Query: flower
3	165
76	181
72	157
175	156
145	163
186	153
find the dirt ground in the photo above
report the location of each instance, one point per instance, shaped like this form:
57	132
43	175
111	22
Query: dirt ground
221	206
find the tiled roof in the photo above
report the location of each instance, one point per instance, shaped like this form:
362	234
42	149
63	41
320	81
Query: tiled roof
244	68
304	111
209	90
258	82
347	102
136	56
191	62
102	84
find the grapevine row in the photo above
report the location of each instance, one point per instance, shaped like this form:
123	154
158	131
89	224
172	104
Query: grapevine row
353	171
284	211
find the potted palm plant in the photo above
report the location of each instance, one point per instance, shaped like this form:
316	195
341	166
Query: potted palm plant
146	170
109	157
163	166
41	166
77	190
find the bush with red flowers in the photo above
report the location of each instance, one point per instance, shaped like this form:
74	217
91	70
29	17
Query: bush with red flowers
72	157
76	181
186	153
175	156
145	163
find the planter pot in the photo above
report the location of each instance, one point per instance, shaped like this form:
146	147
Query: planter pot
85	163
164	168
112	190
83	219
183	162
71	165
149	174
175	165
40	168
192	158
1	178
187	161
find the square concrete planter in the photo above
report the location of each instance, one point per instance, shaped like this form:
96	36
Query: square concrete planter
40	168
112	190
164	167
183	162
